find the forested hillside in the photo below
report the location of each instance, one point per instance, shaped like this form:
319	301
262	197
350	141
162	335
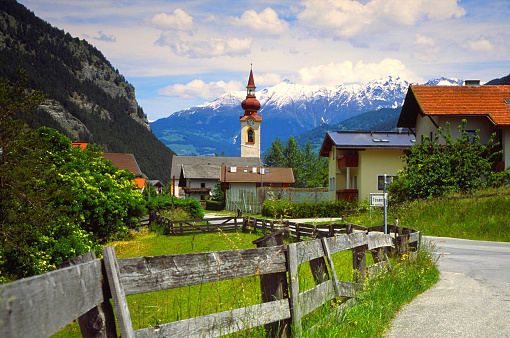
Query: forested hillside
89	101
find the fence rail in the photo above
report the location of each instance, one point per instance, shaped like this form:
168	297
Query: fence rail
40	306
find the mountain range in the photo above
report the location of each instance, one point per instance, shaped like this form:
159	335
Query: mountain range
287	109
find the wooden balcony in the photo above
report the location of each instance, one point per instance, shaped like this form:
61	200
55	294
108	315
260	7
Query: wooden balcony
349	195
345	161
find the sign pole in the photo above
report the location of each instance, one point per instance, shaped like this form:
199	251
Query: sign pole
385	208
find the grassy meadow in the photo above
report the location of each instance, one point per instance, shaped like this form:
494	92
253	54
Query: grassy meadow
156	308
484	215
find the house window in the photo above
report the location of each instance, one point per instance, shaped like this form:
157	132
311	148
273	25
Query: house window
202	185
354	182
380	181
331	184
250	136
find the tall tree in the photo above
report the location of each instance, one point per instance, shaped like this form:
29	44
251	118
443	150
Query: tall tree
309	169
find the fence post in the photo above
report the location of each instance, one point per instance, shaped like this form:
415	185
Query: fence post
295	307
274	285
359	263
118	295
98	322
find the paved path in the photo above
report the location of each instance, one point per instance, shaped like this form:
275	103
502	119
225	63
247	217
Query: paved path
472	298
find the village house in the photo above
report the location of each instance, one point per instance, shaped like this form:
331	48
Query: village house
486	108
196	176
358	161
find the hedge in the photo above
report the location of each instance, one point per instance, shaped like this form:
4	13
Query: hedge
164	202
286	209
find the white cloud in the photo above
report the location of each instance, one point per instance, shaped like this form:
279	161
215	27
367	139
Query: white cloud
266	22
179	20
347	72
198	88
209	48
481	45
105	37
425	48
348	18
267	79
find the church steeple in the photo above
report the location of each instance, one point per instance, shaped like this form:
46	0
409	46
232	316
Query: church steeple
250	122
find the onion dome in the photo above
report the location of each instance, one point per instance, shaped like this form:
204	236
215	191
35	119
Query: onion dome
250	103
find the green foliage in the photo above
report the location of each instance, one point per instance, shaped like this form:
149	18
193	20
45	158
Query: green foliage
309	169
434	169
285	209
214	205
57	201
383	296
218	194
164	202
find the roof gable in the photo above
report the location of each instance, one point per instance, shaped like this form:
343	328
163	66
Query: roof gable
489	101
211	161
124	161
248	175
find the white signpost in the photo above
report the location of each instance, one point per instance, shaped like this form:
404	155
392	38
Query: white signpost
376	200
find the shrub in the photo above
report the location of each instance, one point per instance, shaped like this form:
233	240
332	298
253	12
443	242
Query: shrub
164	202
285	209
214	205
434	169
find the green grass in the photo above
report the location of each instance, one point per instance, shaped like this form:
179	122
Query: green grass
383	296
155	308
481	217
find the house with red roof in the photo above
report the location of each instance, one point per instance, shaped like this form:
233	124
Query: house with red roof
486	108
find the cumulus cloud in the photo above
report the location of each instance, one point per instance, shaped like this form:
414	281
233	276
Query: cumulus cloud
425	48
105	37
198	88
347	18
266	22
209	48
481	45
348	72
178	20
267	79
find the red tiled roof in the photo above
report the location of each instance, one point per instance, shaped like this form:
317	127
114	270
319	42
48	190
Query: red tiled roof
124	161
82	145
140	183
458	100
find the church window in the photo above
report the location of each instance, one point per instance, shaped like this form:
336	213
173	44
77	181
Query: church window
250	136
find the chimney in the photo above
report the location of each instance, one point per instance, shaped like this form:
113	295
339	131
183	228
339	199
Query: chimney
472	83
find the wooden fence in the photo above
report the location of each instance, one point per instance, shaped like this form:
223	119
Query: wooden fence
41	305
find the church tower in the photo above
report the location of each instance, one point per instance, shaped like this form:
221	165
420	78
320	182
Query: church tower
250	122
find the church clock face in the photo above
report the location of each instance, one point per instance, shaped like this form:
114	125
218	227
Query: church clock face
250	122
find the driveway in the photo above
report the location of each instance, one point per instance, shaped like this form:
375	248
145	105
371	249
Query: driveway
471	299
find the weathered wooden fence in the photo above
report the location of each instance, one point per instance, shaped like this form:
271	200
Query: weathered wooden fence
40	306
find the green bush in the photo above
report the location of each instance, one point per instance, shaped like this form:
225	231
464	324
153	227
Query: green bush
285	209
435	169
214	205
164	202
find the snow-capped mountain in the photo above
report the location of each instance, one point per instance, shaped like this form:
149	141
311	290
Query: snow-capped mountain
286	108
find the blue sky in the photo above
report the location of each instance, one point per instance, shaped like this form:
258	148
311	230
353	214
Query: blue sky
178	54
